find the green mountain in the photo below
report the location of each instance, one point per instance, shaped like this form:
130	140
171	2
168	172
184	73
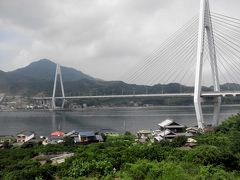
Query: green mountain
44	70
37	77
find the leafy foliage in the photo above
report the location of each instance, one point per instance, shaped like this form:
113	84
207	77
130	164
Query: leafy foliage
217	156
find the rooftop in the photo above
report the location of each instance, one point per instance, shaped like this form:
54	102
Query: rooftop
166	122
144	132
26	133
166	133
169	123
87	133
72	133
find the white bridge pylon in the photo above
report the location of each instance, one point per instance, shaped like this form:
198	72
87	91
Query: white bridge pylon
205	26
58	73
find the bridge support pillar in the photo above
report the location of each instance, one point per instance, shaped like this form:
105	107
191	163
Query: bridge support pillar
216	112
205	26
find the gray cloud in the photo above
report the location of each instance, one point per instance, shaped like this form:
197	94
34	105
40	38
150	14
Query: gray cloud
103	38
25	13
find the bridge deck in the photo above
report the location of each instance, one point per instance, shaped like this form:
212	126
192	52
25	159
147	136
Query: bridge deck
204	94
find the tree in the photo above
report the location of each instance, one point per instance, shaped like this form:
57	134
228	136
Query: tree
68	141
6	145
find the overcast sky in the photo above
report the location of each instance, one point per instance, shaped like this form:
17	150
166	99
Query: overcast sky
102	38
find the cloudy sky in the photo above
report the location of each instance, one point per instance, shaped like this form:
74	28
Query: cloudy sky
103	38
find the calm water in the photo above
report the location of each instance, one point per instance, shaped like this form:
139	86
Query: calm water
116	119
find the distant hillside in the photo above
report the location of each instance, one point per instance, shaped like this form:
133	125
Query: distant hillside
37	79
44	69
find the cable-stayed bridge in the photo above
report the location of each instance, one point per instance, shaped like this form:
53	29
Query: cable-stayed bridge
205	94
206	50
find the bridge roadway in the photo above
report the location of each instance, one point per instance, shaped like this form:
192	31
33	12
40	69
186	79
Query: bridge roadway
204	94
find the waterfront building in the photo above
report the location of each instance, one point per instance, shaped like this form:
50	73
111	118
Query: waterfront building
74	135
25	136
172	126
143	135
84	137
88	136
169	129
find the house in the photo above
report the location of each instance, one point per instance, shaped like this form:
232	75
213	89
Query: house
193	130
172	126
191	142
74	135
144	134
158	138
7	138
84	137
51	141
169	129
88	136
25	136
109	132
167	134
99	138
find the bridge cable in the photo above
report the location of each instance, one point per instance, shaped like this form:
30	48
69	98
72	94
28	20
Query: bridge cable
175	56
171	43
166	52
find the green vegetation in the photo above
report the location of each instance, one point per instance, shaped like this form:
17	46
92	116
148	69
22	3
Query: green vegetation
217	156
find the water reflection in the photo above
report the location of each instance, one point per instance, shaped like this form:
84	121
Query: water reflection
116	119
53	116
58	120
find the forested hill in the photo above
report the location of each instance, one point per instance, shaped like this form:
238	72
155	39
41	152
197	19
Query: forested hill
215	156
37	79
44	69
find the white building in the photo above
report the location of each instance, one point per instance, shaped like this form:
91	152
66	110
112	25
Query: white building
25	136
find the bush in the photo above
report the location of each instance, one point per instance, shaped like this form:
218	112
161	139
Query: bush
6	145
179	141
68	141
82	168
204	154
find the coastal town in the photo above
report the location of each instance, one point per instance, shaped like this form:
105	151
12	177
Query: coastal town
22	103
168	130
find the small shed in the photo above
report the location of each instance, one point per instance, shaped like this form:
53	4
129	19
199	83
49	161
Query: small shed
144	134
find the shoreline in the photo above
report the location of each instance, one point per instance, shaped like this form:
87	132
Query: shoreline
114	107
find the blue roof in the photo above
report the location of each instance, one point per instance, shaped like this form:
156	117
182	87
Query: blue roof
87	133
